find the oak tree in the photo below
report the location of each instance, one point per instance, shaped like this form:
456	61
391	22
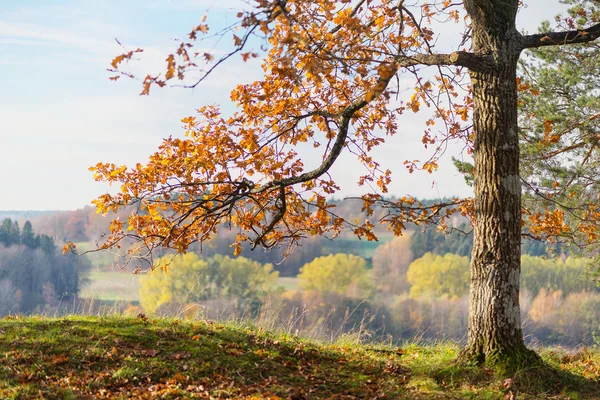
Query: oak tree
330	80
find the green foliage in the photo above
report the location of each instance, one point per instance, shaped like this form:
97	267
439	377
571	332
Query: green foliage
191	279
338	273
437	276
465	168
28	238
569	275
449	275
431	240
9	232
559	125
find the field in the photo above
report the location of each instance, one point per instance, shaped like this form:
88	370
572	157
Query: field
288	283
110	285
121	358
98	259
124	286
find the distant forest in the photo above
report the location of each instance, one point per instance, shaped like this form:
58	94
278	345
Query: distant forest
33	272
86	226
414	285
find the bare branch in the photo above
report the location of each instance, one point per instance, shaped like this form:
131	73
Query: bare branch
472	61
336	150
282	207
561	38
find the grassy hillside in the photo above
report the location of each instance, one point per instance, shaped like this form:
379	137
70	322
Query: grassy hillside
114	357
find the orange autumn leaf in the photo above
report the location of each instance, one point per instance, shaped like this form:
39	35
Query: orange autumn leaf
327	65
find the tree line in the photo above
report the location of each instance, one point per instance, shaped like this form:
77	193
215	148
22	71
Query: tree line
33	272
423	297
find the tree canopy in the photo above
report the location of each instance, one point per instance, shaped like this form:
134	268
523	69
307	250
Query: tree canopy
337	273
435	275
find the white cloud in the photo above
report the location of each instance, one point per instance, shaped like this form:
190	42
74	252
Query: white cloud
210	5
44	34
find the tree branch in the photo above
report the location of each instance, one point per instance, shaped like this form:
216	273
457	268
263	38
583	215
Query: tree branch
561	38
282	208
336	150
472	61
459	58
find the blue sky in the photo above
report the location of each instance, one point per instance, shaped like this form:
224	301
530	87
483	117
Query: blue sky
59	113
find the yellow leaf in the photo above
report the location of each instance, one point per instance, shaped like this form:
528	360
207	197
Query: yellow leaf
548	126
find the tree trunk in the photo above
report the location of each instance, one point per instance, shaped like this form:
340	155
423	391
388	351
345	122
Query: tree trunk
495	335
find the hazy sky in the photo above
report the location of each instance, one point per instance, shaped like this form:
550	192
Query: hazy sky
59	113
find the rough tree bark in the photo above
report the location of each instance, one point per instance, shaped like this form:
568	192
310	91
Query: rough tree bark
495	333
494	315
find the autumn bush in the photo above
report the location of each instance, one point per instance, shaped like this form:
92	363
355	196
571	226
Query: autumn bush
414	318
565	274
190	279
570	320
344	274
437	276
390	264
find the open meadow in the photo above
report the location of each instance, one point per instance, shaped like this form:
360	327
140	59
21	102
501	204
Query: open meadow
124	286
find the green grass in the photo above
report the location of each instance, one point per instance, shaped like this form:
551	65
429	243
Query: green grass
288	283
113	357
